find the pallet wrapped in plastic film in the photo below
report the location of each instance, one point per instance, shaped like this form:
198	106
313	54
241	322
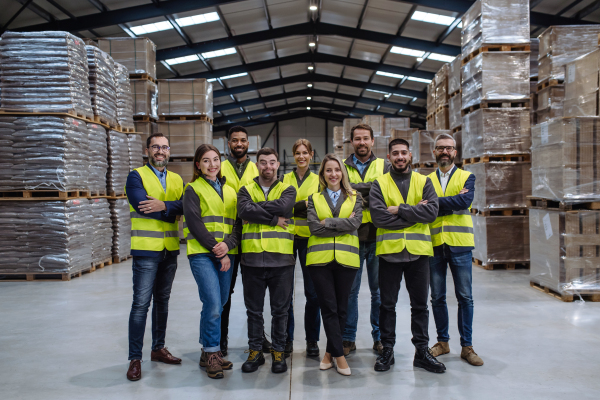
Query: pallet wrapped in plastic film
338	136
495	22
454	114
121	228
185	169
550	103
348	124
375	122
560	45
454	76
135	147
124	97
533	58
494	131
145	97
500	184
394	123
501	239
565	159
44	152
44	72
380	148
138	55
406	134
581	86
103	90
458	139
495	76
564	251
441	87
118	163
426	170
102	233
45	236
339	151
146	129
431	97
98	160
442	119
348	149
185	97
186	136
423	144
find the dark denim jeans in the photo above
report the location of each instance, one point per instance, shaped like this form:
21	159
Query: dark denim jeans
213	288
152	277
366	252
312	312
461	268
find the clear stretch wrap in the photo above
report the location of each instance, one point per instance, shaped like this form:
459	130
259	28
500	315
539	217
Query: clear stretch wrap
101	232
406	134
136	150
145	97
338	136
431	97
560	45
380	148
394	123
124	97
147	128
454	115
458	139
254	142
501	184
492	131
495	76
454	75
533	57
103	89
44	72
501	239
137	55
564	250
375	122
564	159
186	136
98	160
185	169
495	22
185	97
442	119
550	103
44	152
221	144
118	162
121	227
348	149
441	87
339	151
348	124
45	236
581	86
423	144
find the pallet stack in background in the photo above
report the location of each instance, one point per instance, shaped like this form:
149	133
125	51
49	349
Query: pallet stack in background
383	130
338	141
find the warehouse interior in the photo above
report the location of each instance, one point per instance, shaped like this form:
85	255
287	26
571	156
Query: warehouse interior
514	82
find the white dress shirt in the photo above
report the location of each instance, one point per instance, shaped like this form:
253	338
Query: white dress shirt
444	177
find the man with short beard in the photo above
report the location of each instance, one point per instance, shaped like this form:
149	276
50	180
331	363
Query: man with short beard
154	196
453	242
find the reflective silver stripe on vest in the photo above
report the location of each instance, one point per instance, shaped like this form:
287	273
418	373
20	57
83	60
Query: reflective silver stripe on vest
251	236
149	234
301	222
418	236
398	236
134	214
458	229
172	233
212	218
268	235
435	231
229	221
332	246
461	212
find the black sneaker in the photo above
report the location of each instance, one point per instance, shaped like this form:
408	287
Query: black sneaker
289	349
385	360
267	346
255	360
278	366
424	359
312	349
224	346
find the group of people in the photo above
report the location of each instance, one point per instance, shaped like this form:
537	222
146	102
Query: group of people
362	210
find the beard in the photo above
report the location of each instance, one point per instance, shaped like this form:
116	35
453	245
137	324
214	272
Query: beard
401	170
238	153
362	151
158	164
444	160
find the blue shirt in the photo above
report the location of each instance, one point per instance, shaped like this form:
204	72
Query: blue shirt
162	176
217	185
334	196
360	166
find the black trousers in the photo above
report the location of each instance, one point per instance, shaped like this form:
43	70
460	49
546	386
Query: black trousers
333	283
416	275
227	306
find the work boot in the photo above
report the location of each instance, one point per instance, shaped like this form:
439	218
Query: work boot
385	360
289	348
223	346
472	358
440	348
348	347
278	365
267	346
163	355
424	359
224	363
213	366
134	372
312	349
255	360
377	346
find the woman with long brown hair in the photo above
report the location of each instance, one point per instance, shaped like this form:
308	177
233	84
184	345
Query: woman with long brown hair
213	233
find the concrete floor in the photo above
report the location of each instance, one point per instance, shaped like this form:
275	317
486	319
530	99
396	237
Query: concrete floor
68	340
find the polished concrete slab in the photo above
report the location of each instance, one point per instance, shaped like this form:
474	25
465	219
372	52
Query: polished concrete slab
68	340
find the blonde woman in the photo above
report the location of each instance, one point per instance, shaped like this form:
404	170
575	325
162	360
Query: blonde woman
334	215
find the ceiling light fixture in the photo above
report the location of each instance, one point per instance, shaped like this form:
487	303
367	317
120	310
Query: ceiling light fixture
313	8
389	74
440	57
419	59
219	53
151	28
198	19
412	78
310	67
308	108
181	60
308	98
433	18
312	44
309	85
407	52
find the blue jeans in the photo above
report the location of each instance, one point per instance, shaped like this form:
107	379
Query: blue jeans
461	268
366	252
213	288
152	277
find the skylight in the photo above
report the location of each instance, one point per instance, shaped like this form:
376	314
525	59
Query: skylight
181	60
407	52
233	76
219	53
151	28
412	78
433	18
390	74
198	19
440	57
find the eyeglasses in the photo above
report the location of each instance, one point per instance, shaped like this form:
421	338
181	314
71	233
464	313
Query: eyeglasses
157	148
440	149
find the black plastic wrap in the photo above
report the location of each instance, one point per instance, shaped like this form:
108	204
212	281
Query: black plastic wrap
135	147
121	227
102	84
98	160
124	97
118	162
102	233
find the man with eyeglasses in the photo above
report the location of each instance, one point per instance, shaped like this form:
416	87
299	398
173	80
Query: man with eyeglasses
453	241
154	196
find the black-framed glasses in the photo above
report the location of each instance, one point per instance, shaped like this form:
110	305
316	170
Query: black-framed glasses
440	149
156	148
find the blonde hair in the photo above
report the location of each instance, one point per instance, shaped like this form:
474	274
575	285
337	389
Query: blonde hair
302	142
345	184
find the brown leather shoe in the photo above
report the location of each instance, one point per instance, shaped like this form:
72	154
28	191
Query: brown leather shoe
134	373
348	347
440	348
164	356
472	358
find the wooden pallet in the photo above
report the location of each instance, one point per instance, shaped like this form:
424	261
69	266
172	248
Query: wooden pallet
504	213
163	118
96	194
500	265
144	118
127	130
549	82
101	264
106	123
425	165
546	204
117	259
488	48
566	297
43	276
116	195
70	113
440	108
455	93
457	129
500	157
142	77
10	195
497	104
181	159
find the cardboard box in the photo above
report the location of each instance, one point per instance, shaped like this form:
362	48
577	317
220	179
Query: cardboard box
138	55
581	86
454	115
338	136
550	102
375	122
501	239
423	144
501	184
454	75
441	119
348	124
394	123
185	97
441	87
145	97
186	136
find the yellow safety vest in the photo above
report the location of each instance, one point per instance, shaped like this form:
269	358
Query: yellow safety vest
455	229
308	187
416	239
374	171
152	234
218	214
258	238
228	171
343	248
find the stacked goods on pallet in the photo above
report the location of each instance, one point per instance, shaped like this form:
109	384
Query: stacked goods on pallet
501	241
44	152
98	160
103	89
380	147
348	124
348	149
581	86
145	99
185	97
44	72
338	140
455	99
118	163
390	124
549	103
121	228
138	55
406	134
376	123
339	151
101	231
45	237
145	129
533	59
185	169
135	147
186	136
124	98
423	145
441	119
431	105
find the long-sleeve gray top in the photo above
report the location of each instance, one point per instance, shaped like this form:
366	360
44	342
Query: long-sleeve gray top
407	215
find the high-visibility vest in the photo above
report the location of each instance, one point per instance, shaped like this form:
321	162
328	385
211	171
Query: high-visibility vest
416	239
258	238
218	215
455	229
308	187
374	171
343	248
231	176
152	234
